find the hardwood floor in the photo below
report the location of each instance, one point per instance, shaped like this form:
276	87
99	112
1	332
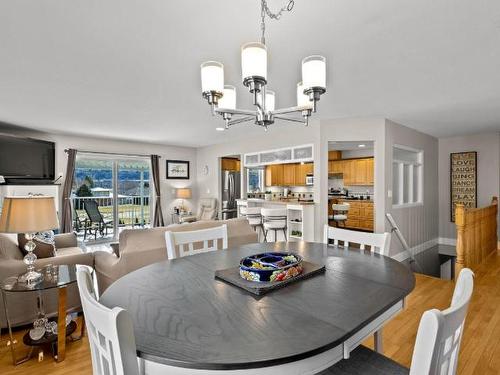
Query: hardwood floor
480	353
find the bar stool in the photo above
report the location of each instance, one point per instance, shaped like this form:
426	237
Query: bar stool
242	208
274	219
254	218
340	211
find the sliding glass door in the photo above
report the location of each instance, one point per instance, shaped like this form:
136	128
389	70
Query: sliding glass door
110	193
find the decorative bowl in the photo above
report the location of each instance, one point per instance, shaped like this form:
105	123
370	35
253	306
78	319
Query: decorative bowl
271	267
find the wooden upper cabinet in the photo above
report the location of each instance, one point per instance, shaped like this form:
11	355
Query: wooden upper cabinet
228	164
301	171
289	174
334	155
370	171
274	175
293	174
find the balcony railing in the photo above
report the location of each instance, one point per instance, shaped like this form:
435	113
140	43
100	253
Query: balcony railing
133	212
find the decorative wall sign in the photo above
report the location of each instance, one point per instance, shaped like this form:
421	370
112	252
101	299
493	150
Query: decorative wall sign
463	180
177	169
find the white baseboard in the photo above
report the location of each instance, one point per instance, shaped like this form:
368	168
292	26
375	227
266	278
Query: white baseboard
416	249
447	241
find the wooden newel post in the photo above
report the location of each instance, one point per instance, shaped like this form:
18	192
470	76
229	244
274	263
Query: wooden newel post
460	223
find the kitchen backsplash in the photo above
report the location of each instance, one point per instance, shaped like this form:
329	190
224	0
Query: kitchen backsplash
300	192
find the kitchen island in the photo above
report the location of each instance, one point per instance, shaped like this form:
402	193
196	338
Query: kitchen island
300	216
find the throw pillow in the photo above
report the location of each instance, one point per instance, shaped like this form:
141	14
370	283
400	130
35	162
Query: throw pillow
9	248
42	249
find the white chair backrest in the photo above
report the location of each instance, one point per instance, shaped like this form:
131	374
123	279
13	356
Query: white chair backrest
269	214
110	332
376	241
440	332
187	242
254	211
344	207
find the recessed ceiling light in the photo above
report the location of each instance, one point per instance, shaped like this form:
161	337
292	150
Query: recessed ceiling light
220	129
361	145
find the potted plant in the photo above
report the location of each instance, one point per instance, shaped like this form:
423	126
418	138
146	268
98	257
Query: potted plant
268	195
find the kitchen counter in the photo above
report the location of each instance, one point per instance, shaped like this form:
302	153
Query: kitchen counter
276	201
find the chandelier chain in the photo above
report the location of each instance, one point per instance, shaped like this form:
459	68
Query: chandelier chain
276	16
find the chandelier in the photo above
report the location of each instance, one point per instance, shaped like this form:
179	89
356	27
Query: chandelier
222	98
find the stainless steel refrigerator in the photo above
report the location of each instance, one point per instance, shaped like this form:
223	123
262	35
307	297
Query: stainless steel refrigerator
231	190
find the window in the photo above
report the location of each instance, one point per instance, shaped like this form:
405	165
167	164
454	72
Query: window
407	176
255	180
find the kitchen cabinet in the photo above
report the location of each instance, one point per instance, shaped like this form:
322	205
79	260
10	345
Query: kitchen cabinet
293	174
228	164
334	155
289	178
354	171
360	215
301	172
370	171
274	175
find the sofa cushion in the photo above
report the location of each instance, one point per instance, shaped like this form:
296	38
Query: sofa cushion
9	248
42	249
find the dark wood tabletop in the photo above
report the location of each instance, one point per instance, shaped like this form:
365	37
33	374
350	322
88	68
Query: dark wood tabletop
184	317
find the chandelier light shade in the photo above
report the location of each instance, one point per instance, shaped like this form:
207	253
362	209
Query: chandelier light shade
228	99
222	99
253	61
212	77
302	99
314	72
270	100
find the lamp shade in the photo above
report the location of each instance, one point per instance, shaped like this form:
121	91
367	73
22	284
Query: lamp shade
253	60
28	215
314	72
183	193
270	100
228	100
212	76
302	99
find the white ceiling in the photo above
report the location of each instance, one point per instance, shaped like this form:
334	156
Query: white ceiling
130	69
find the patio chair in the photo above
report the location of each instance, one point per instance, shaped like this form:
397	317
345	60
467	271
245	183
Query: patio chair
96	222
79	223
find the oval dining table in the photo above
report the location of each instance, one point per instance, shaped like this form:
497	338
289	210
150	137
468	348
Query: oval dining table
187	322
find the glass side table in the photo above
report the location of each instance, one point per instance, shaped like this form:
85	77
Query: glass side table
54	276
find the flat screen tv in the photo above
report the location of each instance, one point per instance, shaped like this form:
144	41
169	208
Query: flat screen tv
26	160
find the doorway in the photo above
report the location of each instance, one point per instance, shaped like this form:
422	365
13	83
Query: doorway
110	193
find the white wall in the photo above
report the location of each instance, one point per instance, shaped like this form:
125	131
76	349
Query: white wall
419	224
487	146
125	147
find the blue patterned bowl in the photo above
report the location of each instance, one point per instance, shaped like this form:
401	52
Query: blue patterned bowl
272	267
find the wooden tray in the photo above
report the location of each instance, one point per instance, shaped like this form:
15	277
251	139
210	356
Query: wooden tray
232	276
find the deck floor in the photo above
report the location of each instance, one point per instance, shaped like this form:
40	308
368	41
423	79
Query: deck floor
480	352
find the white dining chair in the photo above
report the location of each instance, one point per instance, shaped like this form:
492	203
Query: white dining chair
196	241
437	344
110	332
274	219
378	242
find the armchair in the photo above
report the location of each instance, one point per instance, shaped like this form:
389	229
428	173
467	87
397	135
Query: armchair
207	210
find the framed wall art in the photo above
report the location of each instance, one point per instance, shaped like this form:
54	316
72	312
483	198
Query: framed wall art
177	170
463	180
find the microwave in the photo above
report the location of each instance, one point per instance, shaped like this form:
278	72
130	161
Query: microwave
309	180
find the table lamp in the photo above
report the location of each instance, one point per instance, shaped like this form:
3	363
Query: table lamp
183	193
29	215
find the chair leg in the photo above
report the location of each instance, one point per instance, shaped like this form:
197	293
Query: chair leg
284	233
275	235
265	235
